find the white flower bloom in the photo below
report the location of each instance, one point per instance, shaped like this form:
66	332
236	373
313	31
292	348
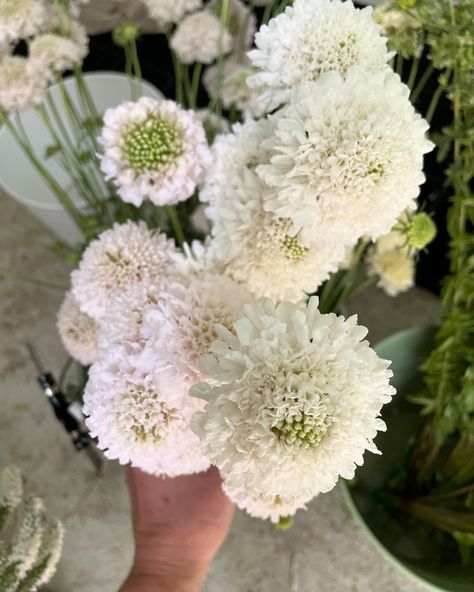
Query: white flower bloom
272	507
166	12
234	90
153	149
59	52
392	260
182	325
142	417
122	256
21	18
122	322
198	38
313	37
293	400
241	23
51	550
213	124
23	83
347	157
258	248
78	331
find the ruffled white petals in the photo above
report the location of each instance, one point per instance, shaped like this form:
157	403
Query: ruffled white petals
78	331
182	327
166	12
393	261
347	157
271	507
142	417
294	398
198	38
313	37
23	83
121	257
21	18
154	150
59	52
234	90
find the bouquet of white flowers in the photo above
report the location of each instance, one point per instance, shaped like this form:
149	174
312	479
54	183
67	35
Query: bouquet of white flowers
218	351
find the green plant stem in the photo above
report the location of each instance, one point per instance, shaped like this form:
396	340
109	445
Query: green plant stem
62	196
421	83
196	79
176	224
215	104
399	64
433	104
415	64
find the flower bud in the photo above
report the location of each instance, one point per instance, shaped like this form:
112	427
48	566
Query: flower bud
125	33
421	231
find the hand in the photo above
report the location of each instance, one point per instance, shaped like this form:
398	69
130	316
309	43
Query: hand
179	524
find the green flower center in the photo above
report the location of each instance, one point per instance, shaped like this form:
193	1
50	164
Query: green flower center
303	430
292	249
153	145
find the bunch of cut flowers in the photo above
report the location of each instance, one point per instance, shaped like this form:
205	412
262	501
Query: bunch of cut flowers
209	315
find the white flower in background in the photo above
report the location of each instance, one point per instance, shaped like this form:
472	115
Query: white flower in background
313	37
213	124
23	83
293	400
234	90
153	149
265	507
142	417
231	181
183	323
122	256
348	162
78	331
393	262
198	38
122	322
199	221
166	12
59	52
241	23
258	248
21	18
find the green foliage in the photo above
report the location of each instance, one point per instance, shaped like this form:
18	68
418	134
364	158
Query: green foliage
439	488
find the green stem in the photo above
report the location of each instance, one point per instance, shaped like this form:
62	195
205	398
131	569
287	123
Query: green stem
195	85
215	104
176	224
421	83
62	196
415	63
399	64
433	104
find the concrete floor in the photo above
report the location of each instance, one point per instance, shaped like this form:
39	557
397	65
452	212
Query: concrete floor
324	551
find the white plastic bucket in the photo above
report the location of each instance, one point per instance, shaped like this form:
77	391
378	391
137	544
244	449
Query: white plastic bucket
18	176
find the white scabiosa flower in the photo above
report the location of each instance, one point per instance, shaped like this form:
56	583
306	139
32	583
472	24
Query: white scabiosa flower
153	149
293	400
59	52
166	12
23	83
265	507
393	262
313	37
198	38
234	90
241	23
122	322
78	331
182	325
122	256
142	417
347	157
21	18
258	248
